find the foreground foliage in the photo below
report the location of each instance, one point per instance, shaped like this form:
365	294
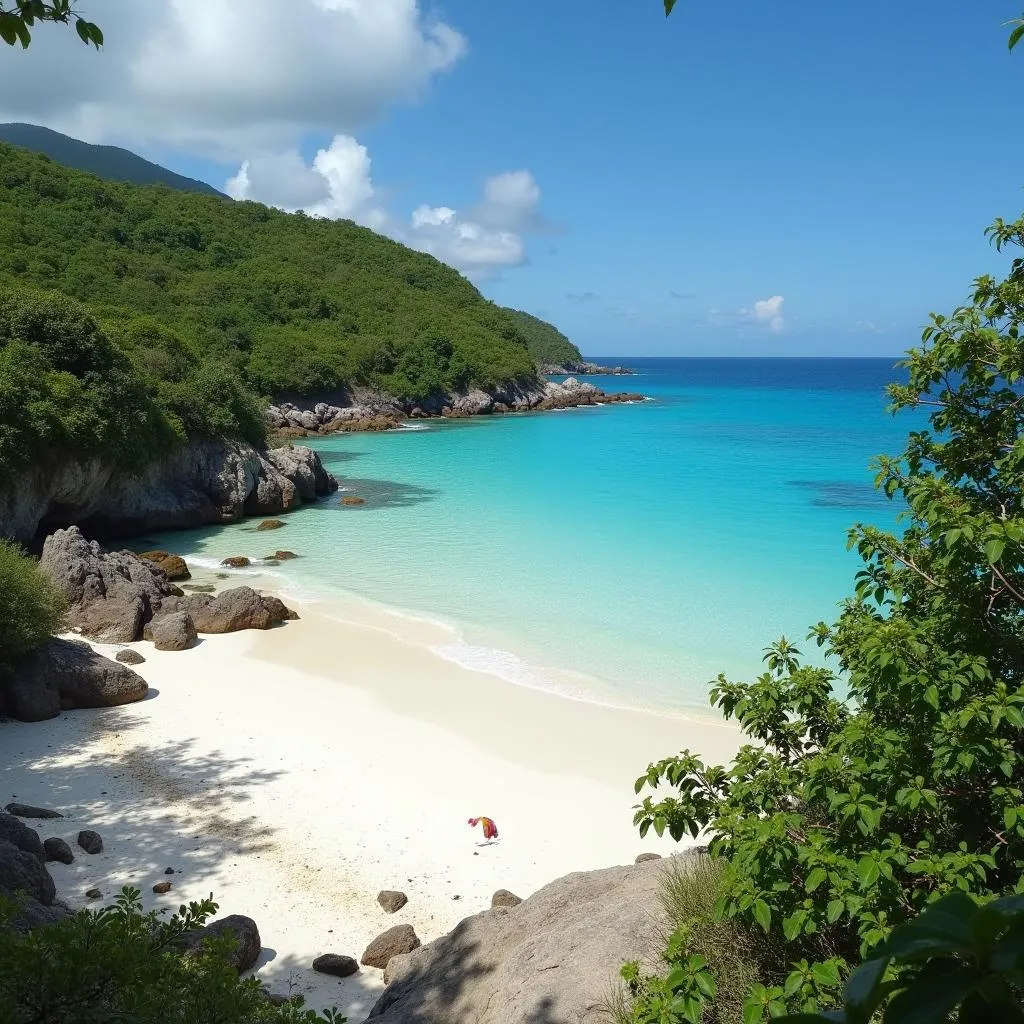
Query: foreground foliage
867	792
19	17
31	608
121	964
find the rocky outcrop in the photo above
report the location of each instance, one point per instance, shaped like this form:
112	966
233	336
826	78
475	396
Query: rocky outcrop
30	811
173	632
553	957
243	933
573	393
228	611
173	566
113	596
110	594
394	942
68	674
585	368
18	834
23	873
203	482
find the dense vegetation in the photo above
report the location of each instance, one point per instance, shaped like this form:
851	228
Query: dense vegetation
105	161
547	344
120	964
291	304
31	608
867	792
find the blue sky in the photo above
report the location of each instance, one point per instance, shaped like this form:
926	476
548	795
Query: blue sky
793	177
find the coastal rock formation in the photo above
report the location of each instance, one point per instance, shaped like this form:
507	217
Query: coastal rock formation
110	594
68	674
22	872
395	941
504	898
391	901
270	524
585	369
241	930
204	481
236	562
228	611
336	964
90	841
18	834
551	958
174	632
57	849
129	657
29	811
173	566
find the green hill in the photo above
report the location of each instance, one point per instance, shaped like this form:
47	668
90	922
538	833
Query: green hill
547	344
105	161
290	304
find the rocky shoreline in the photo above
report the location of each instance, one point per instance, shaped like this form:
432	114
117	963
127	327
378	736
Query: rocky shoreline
204	482
370	411
583	368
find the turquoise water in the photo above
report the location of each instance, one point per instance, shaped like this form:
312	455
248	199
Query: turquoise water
622	553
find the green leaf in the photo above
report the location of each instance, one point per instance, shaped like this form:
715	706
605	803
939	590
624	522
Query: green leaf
867	871
762	914
994	549
669	4
815	878
1016	35
834	910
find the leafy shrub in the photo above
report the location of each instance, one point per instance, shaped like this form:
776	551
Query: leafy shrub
31	608
120	964
867	793
64	386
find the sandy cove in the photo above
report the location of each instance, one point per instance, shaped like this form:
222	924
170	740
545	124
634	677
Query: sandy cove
295	773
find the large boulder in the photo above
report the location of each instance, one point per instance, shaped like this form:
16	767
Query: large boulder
302	466
67	674
23	873
553	957
110	594
473	403
173	566
243	933
231	610
174	632
18	834
394	942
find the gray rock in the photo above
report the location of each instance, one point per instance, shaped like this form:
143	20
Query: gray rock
58	850
395	941
174	632
90	841
391	901
554	958
302	466
474	403
336	964
93	894
30	811
504	898
231	610
20	835
204	481
129	657
642	858
22	873
242	930
110	594
76	675
31	914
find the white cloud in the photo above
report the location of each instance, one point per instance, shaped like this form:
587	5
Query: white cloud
339	183
231	77
769	311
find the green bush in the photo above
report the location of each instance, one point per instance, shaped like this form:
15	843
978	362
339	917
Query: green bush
866	793
546	343
65	387
118	964
31	608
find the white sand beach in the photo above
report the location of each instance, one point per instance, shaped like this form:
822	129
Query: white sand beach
297	772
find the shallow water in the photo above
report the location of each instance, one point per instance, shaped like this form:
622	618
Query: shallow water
626	554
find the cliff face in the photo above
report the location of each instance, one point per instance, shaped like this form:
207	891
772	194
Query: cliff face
202	483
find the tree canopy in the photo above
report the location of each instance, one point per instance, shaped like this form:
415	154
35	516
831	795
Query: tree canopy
17	20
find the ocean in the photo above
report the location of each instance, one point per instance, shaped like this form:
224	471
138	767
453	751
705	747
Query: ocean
621	554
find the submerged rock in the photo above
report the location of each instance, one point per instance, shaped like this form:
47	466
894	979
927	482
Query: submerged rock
173	566
352	499
236	562
270	524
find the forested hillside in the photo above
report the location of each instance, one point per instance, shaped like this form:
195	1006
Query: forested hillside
192	286
107	161
546	342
